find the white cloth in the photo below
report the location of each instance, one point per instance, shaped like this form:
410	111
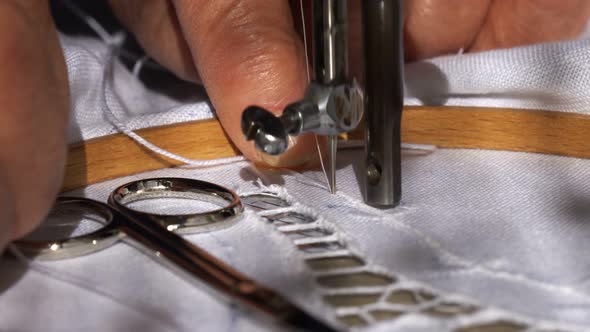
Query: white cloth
550	76
130	100
504	231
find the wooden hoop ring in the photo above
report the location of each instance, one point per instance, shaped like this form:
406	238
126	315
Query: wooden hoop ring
557	133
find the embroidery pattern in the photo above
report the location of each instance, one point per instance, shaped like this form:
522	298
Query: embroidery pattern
361	294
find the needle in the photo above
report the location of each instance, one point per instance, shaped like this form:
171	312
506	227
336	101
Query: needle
332	148
330	178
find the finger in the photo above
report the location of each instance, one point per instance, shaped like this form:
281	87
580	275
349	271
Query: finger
34	113
435	27
154	24
521	22
248	53
7	211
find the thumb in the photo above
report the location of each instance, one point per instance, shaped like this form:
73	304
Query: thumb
248	53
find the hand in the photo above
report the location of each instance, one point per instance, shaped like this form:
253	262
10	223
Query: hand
244	52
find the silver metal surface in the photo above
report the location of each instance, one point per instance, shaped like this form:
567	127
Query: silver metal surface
330	41
69	247
330	36
184	188
382	25
325	110
265	129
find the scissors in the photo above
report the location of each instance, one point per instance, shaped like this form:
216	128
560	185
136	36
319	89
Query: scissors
157	233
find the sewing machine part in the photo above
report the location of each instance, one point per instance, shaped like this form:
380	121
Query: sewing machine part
382	21
333	103
157	235
325	110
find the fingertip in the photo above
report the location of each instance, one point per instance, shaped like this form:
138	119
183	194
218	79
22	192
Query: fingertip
247	54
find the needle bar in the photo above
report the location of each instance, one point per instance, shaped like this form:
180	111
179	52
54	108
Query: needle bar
330	36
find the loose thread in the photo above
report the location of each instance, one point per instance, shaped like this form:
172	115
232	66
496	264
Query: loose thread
114	44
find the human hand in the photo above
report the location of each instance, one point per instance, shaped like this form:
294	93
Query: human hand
244	52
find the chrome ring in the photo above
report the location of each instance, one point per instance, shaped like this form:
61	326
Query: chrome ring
73	246
180	188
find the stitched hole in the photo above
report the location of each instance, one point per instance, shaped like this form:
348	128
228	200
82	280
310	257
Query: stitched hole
447	309
329	263
351	300
385	314
402	297
424	296
316	245
500	326
353	320
289	218
312	232
320	247
359	279
260	202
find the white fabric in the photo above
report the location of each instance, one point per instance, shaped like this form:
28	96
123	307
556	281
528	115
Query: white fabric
504	231
133	103
550	76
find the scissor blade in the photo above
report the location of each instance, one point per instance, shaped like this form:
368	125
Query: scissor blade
331	169
197	263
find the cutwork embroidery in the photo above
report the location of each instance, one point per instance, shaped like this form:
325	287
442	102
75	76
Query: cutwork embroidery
361	294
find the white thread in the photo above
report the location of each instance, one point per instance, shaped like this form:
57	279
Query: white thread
304	40
315	240
298	227
329	254
139	65
89	20
114	43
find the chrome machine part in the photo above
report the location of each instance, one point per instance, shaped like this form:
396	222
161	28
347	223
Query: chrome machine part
325	110
382	25
333	103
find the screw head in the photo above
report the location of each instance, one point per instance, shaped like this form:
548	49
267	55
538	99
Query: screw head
267	130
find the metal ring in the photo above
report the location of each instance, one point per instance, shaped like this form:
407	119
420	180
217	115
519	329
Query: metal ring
180	188
68	247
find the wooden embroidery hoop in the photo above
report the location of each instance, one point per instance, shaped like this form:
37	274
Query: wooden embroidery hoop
556	133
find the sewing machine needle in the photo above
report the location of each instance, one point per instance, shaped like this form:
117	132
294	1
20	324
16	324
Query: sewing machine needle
332	148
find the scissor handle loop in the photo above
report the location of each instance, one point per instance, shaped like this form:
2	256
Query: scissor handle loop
180	188
72	246
116	214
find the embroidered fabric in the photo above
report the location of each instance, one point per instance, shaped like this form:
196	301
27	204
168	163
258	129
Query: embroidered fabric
481	237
